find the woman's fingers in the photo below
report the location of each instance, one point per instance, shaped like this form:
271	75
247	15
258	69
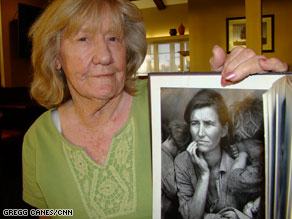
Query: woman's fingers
234	150
237	56
241	63
218	59
197	158
237	72
273	64
192	151
191	147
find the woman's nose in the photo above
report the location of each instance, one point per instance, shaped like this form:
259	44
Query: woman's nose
201	131
102	54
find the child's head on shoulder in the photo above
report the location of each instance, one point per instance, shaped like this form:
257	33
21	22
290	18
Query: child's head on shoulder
247	119
248	127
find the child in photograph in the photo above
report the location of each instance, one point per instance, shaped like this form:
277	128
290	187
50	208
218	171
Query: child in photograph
177	141
247	175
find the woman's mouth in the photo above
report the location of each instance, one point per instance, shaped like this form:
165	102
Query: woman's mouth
201	142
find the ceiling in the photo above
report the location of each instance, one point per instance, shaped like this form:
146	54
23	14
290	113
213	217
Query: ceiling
151	4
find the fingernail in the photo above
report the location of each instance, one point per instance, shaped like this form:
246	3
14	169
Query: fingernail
223	82
229	75
262	59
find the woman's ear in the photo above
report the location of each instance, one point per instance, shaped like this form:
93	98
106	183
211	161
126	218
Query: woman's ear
58	63
224	130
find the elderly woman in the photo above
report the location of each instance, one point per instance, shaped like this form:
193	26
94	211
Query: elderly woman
202	171
90	151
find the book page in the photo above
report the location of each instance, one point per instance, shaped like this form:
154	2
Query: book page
269	120
288	146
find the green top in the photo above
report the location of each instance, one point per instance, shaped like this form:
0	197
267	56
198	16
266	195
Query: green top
59	175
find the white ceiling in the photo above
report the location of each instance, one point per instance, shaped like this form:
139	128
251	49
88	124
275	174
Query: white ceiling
150	3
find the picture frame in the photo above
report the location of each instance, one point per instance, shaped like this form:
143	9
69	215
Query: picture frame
235	32
169	96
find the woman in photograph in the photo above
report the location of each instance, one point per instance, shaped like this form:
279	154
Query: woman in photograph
202	170
91	150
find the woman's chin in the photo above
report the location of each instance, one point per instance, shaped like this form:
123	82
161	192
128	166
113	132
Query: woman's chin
106	94
104	91
108	88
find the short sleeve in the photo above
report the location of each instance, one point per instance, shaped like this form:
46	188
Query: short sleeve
32	193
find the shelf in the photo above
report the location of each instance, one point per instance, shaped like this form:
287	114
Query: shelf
175	38
184	53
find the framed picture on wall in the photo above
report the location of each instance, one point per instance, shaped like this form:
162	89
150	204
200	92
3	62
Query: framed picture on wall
236	33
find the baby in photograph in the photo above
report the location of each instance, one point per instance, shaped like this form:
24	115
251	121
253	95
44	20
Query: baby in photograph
246	177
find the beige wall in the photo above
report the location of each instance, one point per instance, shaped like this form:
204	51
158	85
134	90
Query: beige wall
207	23
208	28
158	22
282	9
17	71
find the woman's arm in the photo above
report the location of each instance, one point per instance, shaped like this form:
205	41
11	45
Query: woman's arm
192	191
192	184
198	201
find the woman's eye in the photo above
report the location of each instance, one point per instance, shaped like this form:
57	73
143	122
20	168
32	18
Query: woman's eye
83	39
209	123
113	39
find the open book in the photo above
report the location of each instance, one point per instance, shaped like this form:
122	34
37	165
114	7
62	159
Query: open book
252	175
278	141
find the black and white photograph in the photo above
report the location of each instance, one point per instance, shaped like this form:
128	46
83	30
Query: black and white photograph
208	147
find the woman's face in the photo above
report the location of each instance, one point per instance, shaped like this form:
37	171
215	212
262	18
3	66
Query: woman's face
206	129
94	64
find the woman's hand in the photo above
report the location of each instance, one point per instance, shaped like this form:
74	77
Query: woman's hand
229	214
233	150
198	159
241	63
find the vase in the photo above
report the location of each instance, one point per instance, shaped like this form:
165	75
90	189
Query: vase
181	29
172	32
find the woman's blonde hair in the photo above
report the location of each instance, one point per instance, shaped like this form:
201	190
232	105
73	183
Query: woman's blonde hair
65	17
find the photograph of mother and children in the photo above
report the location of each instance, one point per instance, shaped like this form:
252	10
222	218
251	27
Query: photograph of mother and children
212	153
